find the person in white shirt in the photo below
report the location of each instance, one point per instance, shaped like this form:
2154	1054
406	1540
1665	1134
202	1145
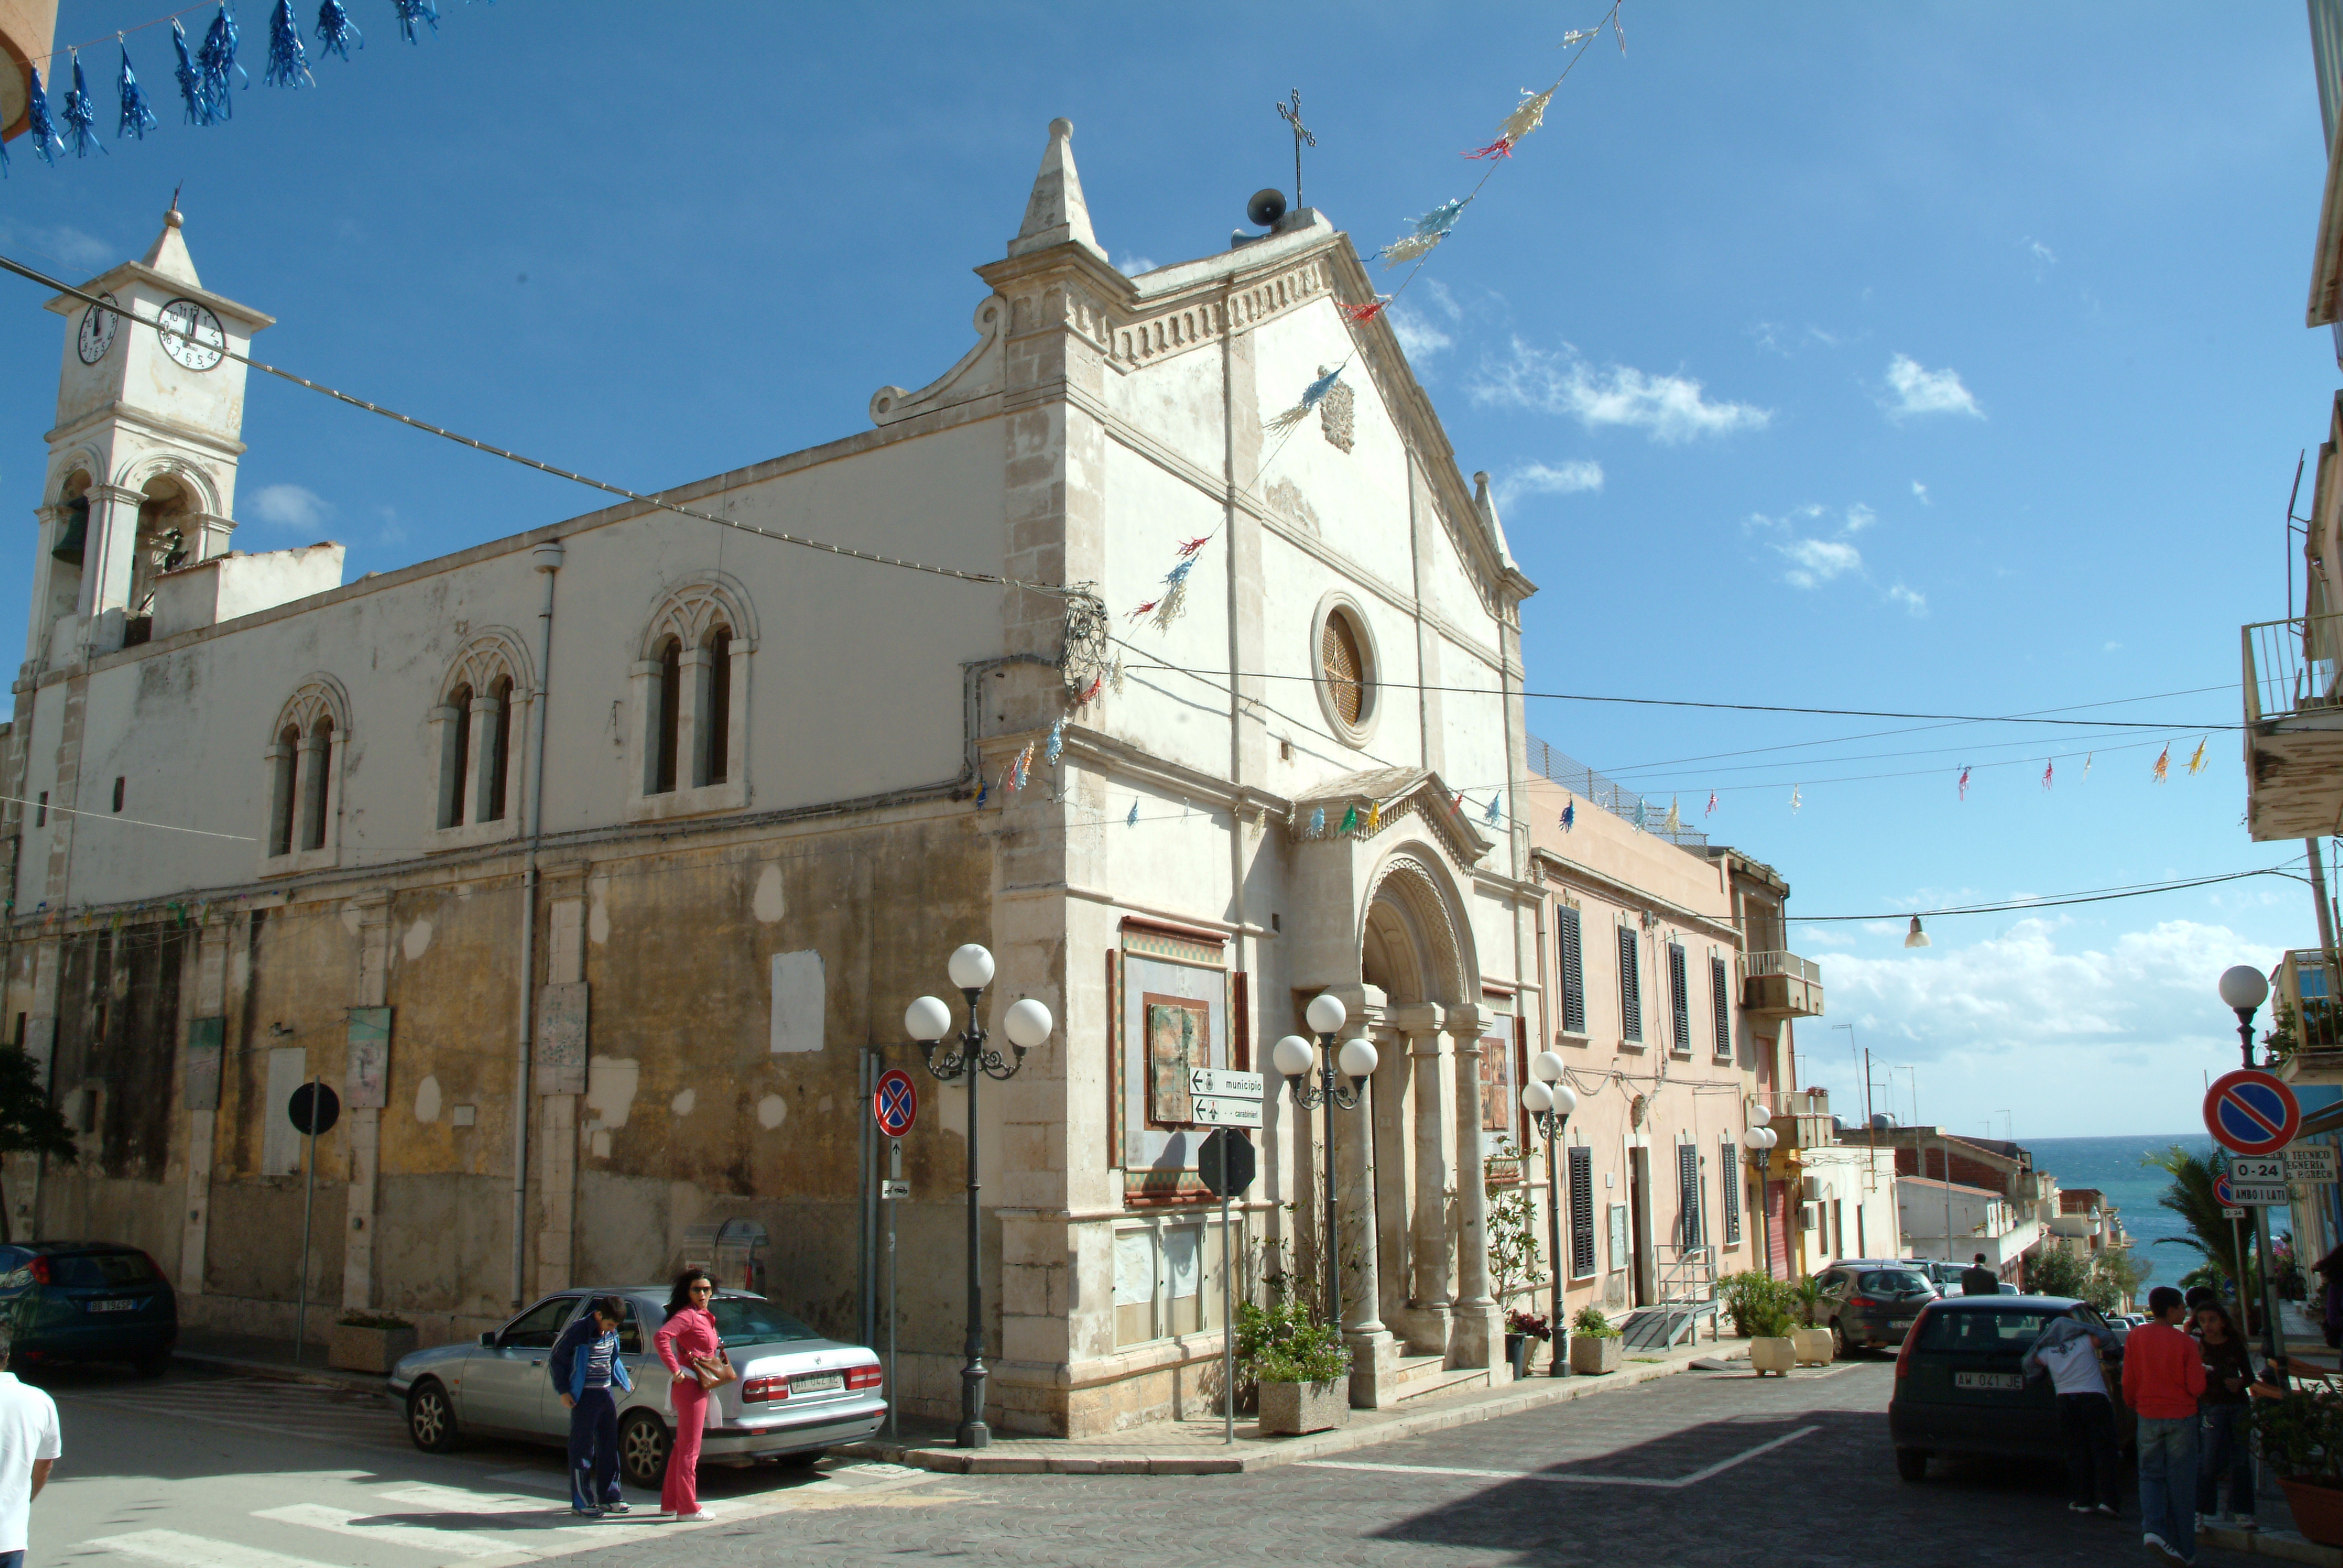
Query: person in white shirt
2068	1351
29	1445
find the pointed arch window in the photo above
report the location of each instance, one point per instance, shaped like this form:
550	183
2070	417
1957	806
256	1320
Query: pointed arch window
486	693
691	703
305	760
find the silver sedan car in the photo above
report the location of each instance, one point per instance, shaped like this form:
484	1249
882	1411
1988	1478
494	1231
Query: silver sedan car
798	1392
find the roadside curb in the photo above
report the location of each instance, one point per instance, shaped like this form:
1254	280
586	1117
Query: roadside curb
1200	1460
2280	1543
358	1383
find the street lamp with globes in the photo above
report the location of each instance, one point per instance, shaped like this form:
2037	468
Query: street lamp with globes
1759	1140
2244	989
1294	1057
1550	1101
1027	1023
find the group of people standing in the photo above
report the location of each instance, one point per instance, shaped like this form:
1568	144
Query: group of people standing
587	1367
2187	1376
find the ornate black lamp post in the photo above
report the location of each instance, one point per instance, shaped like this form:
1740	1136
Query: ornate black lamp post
1759	1140
1028	1024
1294	1057
2244	989
1550	1101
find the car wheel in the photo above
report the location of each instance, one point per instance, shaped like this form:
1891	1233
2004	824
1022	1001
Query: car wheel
1839	1340
430	1418
643	1445
1912	1463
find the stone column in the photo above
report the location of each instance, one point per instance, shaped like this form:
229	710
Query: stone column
109	558
1476	1330
207	1055
478	791
370	990
1393	1154
1374	1356
205	534
1428	1295
693	724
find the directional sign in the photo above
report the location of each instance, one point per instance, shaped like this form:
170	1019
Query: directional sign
895	1103
1224	1085
2249	1111
2260	1194
2256	1168
893	1191
1212	1110
2310	1162
1225	1163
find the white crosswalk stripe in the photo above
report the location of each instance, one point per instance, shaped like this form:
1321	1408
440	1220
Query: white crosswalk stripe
373	1527
183	1550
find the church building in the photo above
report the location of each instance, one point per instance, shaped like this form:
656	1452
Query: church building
593	867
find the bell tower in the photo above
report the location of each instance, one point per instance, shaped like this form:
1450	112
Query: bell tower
142	462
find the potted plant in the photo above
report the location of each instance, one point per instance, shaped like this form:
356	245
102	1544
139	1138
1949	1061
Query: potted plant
1301	1370
370	1342
1771	1348
2300	1436
1521	1329
1594	1343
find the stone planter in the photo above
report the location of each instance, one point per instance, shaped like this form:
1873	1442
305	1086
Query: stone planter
1773	1355
367	1349
1590	1356
1519	1348
1291	1408
1814	1346
2317	1510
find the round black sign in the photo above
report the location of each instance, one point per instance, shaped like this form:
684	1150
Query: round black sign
329	1109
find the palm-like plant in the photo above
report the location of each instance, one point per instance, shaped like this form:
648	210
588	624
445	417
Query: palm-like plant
2210	1235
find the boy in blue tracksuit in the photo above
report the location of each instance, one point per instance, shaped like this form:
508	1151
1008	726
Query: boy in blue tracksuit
585	1365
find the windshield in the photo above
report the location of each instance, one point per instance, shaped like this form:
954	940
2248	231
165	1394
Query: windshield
97	1270
1992	1329
748	1321
1892	1282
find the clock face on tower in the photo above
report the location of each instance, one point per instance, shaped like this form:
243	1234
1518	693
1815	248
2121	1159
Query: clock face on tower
191	334
96	331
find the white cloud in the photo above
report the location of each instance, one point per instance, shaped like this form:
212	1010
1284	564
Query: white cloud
1775	338
2098	1039
59	242
1671	408
1816	561
2111	648
1915	604
2040	252
1132	265
1920	493
1418	338
1859	518
1919	390
1546	479
290	507
1437	292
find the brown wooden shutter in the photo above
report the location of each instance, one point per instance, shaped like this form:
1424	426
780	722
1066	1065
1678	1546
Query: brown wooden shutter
1338	652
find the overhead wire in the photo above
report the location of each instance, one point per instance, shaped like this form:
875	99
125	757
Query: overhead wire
2096	896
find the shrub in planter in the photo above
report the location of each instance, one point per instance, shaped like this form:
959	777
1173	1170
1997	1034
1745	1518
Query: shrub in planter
1521	1330
1751	1293
1594	1343
1300	1369
2300	1436
1771	1348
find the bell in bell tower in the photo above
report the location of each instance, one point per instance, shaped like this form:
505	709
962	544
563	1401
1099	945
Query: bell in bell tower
142	462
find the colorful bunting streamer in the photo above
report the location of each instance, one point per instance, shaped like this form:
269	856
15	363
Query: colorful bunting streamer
1350	821
138	117
1375	816
1494	802
335	31
1711	805
37	121
1310	397
191	79
1318	823
2046	772
2164	763
1132	820
288	62
81	115
2086	762
1965	783
1367	312
2197	758
1569	813
1795	800
1057	746
1426	232
411	11
1673	824
216	59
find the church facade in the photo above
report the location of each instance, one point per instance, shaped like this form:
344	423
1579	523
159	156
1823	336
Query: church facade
593	867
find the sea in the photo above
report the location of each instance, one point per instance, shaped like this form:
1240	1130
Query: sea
2113	1166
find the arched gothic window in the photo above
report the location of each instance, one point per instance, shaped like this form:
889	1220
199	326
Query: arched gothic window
306	761
485	690
691	702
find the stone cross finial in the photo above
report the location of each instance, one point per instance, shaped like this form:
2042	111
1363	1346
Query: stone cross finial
1291	115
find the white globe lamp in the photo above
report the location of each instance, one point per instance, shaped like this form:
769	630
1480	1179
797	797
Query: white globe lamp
971	966
1027	1024
1291	1055
927	1021
1358	1058
1326	1013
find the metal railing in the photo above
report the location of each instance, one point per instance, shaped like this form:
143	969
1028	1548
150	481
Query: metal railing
1690	1275
1781	963
2308	1016
1616	799
2290	665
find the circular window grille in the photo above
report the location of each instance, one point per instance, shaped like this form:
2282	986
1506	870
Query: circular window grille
1338	653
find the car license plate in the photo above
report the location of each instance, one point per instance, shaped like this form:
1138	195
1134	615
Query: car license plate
1994	1379
113	1306
819	1382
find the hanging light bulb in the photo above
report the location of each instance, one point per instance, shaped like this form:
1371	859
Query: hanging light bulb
1918	938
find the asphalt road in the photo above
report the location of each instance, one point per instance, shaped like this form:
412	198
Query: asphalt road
1695	1470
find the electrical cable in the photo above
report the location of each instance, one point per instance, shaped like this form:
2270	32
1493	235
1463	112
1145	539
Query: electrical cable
2096	896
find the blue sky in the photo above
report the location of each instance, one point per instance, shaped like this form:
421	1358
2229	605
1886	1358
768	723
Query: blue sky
1912	357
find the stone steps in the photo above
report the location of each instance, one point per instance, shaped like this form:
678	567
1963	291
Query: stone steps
1423	1376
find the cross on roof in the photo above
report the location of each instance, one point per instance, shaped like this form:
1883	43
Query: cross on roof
1292	116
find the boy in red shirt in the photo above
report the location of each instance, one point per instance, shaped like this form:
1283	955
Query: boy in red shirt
2163	1376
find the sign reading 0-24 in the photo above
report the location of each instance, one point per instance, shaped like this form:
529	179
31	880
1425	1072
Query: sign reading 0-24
191	334
96	331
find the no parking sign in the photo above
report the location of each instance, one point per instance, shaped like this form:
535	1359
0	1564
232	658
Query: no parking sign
2249	1111
895	1103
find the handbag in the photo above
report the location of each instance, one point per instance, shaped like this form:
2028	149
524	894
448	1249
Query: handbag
715	1371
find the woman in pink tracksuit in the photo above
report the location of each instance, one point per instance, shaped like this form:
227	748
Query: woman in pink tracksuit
688	1337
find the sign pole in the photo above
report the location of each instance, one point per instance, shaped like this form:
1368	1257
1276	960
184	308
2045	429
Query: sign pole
2273	1337
895	1401
308	1208
1228	1331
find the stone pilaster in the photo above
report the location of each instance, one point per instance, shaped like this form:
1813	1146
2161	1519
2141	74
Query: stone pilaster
1477	1333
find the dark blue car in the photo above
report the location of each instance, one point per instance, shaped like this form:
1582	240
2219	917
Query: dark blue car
87	1301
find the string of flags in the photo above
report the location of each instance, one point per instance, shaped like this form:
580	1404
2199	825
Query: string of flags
204	73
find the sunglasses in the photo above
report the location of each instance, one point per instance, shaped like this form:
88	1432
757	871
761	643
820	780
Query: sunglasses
703	1290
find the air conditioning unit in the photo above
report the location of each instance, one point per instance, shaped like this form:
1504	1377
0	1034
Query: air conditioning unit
1807	1216
1810	1188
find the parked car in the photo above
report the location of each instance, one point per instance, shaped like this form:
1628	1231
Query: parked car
798	1392
87	1301
1960	1387
1866	1304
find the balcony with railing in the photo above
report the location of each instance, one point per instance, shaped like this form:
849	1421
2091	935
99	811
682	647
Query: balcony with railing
2306	1019
1781	985
1801	1117
2294	728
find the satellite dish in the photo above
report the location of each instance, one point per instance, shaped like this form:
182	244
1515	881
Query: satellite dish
1266	208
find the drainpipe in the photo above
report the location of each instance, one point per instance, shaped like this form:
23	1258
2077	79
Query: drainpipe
546	558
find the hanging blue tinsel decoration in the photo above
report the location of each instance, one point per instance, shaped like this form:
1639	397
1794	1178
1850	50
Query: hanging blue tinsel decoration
191	80
410	12
137	119
288	62
36	120
335	31
1318	823
81	115
217	58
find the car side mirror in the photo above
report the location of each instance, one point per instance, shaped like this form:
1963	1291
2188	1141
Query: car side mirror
488	1338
